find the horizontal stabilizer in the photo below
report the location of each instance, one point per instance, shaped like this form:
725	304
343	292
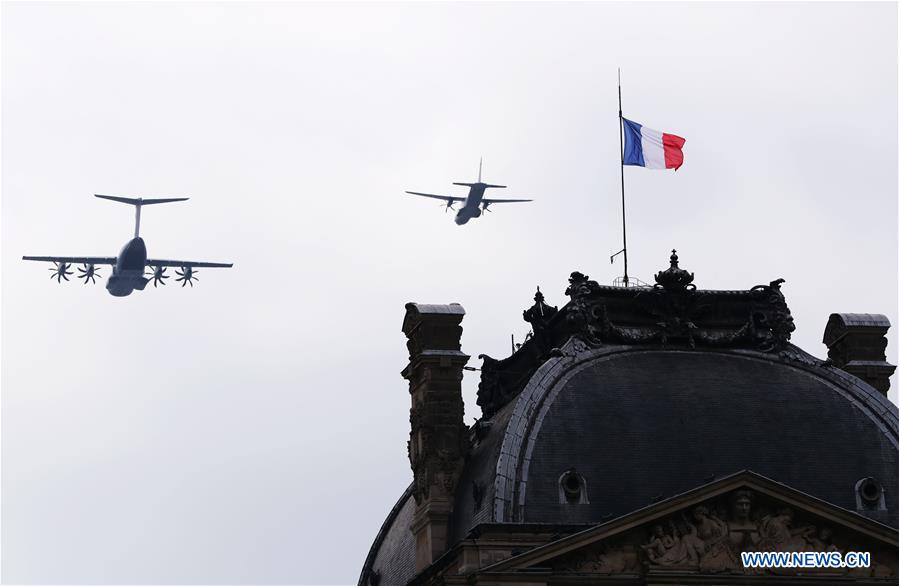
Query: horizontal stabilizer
138	201
484	184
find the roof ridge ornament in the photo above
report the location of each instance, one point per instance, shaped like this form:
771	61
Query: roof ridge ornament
673	314
674	278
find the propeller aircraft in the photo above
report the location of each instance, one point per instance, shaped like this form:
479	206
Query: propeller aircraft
128	268
474	203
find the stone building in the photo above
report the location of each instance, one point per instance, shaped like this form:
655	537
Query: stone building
646	436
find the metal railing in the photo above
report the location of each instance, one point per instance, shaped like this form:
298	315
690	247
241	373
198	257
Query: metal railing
631	282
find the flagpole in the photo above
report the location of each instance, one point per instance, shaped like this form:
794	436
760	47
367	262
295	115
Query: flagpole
621	136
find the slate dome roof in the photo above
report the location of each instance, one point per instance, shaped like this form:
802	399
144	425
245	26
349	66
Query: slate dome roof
636	395
642	424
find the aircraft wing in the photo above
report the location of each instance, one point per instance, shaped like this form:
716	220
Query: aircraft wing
448	198
155	262
492	201
88	260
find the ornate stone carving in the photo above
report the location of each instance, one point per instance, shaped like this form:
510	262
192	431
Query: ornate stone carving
708	542
771	321
622	559
540	313
708	538
494	390
674	278
503	379
674	313
580	284
581	321
579	345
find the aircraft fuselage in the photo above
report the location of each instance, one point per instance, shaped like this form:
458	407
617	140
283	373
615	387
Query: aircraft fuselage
472	206
128	272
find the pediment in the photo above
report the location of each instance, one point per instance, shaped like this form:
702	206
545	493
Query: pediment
701	533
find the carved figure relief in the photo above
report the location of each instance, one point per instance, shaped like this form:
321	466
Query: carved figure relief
660	544
706	543
622	559
709	538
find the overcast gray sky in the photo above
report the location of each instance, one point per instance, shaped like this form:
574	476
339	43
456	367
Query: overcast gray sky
253	429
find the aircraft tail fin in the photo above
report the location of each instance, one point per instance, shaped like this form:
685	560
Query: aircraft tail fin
480	180
138	201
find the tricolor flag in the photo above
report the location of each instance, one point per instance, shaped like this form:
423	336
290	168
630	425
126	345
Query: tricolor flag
645	147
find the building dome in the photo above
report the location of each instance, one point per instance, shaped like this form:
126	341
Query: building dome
626	397
636	425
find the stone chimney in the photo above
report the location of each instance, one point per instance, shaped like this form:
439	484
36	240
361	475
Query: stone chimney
856	343
438	440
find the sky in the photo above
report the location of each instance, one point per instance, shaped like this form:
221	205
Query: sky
252	429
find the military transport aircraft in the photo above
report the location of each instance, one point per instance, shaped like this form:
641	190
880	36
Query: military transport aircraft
475	202
128	267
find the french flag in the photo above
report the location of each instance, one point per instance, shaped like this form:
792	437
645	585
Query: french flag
645	147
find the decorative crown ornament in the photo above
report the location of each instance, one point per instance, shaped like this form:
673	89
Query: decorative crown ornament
674	278
540	311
